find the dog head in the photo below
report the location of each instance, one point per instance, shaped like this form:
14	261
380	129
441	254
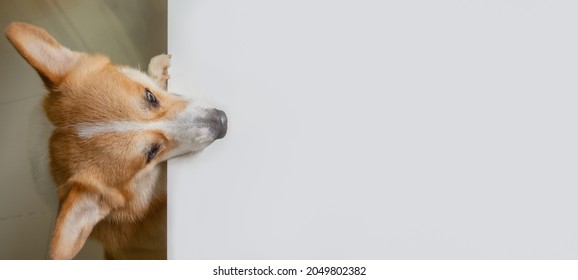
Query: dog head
112	126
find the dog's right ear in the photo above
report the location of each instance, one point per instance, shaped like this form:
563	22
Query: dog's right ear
50	59
79	212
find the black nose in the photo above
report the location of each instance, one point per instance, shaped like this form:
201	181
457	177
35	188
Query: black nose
222	117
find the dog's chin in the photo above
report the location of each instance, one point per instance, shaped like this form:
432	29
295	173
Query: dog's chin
192	150
189	154
201	145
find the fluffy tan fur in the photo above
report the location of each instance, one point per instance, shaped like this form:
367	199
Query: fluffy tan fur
107	189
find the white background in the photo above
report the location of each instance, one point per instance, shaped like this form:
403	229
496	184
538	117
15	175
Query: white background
379	130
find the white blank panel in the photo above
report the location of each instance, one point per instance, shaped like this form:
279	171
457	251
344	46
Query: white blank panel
379	130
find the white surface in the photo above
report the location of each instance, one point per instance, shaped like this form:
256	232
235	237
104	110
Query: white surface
379	130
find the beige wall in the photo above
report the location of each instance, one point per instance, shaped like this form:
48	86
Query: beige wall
128	31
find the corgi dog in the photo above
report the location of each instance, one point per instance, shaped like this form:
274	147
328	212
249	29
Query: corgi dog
112	130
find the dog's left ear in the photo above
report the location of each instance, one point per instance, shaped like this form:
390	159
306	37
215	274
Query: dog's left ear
50	59
80	211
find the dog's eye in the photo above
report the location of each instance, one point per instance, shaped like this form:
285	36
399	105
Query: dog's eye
151	98
152	152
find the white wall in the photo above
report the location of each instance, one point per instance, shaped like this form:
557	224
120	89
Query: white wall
379	130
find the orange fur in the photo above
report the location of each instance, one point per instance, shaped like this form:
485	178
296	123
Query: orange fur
107	189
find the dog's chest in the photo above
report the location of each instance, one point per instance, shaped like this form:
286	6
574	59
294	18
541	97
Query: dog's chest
138	230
